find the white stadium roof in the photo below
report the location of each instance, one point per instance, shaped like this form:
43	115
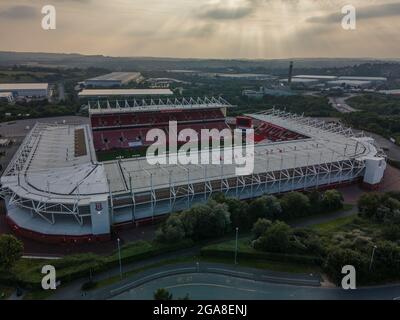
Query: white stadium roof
45	167
87	93
135	105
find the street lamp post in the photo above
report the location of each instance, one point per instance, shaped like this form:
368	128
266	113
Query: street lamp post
119	258
236	244
372	257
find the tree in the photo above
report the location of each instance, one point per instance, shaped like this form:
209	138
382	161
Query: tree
162	294
260	227
295	205
11	250
206	220
239	213
265	207
338	257
315	198
368	204
172	230
275	239
332	200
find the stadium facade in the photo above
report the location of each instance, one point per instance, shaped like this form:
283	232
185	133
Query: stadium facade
55	189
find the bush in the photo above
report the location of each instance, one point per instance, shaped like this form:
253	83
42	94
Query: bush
260	227
275	239
162	294
11	250
332	200
391	232
295	205
265	207
337	258
201	222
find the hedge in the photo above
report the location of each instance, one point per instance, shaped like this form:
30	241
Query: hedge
27	272
259	255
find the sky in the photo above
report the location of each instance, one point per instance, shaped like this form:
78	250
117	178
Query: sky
247	29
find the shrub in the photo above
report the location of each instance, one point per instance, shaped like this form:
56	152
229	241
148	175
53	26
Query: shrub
11	250
332	200
260	227
267	207
275	239
295	205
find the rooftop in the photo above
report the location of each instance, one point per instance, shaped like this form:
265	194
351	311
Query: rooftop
47	168
317	77
124	106
364	78
124	92
23	86
116	76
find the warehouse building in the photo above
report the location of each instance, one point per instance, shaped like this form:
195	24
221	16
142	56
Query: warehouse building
356	84
26	90
114	79
6	97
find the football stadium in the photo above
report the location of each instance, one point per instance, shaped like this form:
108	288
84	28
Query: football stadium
74	183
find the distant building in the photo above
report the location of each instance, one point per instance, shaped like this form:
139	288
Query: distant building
26	90
253	94
349	84
395	92
316	77
245	76
7	97
160	83
374	80
114	79
99	93
277	92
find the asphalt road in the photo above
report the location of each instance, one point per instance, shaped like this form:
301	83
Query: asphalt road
206	286
340	104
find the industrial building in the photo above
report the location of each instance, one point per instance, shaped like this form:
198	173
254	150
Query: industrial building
98	93
26	90
114	79
395	92
374	80
353	84
7	97
316	77
56	190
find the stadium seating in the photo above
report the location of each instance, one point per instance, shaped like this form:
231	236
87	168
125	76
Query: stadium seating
118	131
268	131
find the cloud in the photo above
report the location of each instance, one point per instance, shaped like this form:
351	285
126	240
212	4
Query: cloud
220	12
20	12
200	31
363	13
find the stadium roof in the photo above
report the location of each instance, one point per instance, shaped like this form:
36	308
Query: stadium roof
46	168
123	106
23	86
86	93
116	76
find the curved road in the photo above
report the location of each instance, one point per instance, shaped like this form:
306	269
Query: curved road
205	286
210	281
